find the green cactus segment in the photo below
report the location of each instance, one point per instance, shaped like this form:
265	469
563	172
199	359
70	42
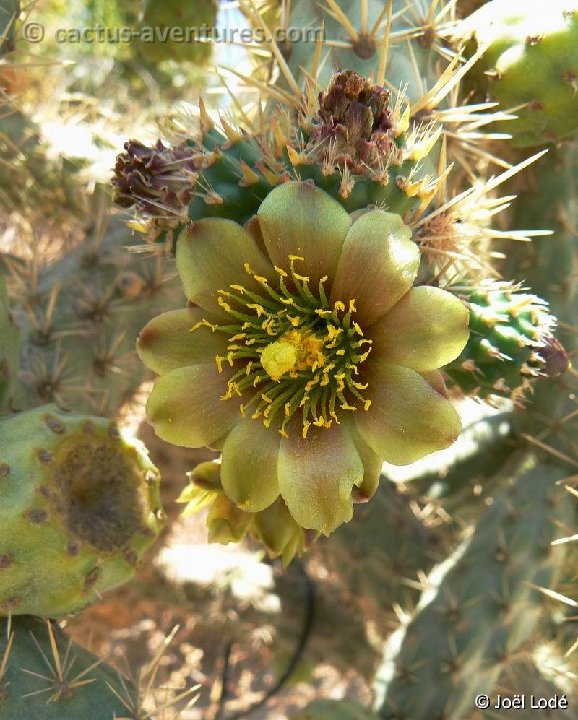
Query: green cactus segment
164	27
511	343
349	141
79	318
80	505
9	11
375	555
412	56
531	60
45	676
479	606
549	266
334	710
9	350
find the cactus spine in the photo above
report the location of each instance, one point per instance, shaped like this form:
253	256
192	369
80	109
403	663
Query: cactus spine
45	676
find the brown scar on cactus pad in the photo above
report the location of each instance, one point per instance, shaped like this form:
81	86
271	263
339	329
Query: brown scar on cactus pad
103	502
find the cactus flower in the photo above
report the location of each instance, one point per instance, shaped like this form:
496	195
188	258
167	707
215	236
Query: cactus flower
306	355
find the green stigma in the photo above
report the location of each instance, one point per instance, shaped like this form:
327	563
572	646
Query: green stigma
279	358
296	350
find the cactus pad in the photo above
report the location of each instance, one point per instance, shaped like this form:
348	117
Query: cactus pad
510	345
79	507
45	676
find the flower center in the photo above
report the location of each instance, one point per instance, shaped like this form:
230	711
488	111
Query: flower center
291	351
296	350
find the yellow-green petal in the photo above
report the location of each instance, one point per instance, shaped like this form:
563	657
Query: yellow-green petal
185	409
279	532
249	465
408	418
372	464
226	523
297	218
427	329
211	255
317	475
378	265
168	341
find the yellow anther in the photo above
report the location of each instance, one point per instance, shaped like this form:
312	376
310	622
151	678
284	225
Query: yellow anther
204	323
339	306
352	307
357	329
280	271
259	309
219	361
238	288
295	157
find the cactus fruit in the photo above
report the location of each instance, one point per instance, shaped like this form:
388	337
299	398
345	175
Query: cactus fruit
479	606
531	65
308	356
510	345
45	676
350	141
80	505
9	350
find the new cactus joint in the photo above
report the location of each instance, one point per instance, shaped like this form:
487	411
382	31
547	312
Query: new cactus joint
288	335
